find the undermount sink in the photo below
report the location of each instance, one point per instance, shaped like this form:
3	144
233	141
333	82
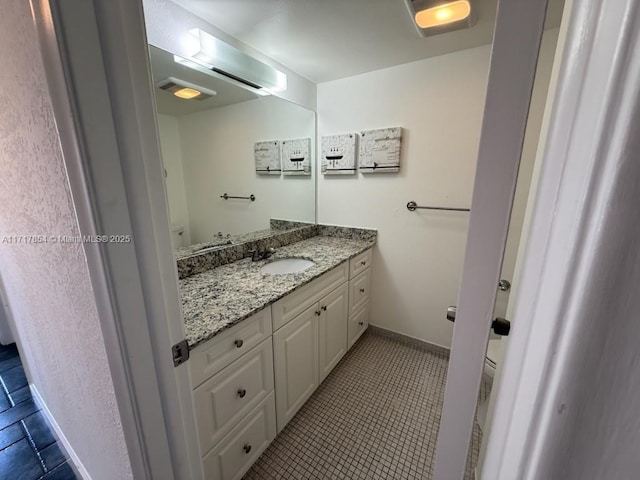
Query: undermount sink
287	265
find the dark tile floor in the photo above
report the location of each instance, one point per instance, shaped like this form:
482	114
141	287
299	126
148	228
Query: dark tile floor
28	449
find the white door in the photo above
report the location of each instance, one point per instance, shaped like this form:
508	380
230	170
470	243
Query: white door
295	363
518	31
333	325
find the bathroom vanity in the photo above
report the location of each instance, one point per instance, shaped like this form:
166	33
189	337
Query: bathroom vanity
261	333
261	343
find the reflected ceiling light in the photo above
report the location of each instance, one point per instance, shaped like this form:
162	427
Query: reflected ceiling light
187	93
185	90
433	17
224	59
443	14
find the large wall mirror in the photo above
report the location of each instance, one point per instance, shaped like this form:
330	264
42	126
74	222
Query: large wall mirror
209	149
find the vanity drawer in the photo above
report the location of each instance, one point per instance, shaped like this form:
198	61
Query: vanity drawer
235	454
359	291
287	308
226	398
359	263
358	323
212	356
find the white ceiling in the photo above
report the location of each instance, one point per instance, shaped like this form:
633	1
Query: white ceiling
324	40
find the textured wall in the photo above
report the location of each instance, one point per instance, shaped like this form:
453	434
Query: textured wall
47	285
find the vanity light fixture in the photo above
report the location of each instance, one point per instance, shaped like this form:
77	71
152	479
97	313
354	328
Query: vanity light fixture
237	66
433	17
185	90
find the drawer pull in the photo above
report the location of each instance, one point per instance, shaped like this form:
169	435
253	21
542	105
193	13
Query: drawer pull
238	343
242	392
247	448
362	290
324	307
363	263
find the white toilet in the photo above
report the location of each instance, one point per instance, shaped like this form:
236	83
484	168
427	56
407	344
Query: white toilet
177	236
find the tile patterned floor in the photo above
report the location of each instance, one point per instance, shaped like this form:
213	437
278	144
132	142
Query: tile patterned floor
28	450
376	416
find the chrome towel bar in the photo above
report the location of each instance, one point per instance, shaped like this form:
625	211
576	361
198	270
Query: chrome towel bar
251	197
413	206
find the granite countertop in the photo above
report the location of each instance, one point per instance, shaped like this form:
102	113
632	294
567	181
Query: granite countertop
219	298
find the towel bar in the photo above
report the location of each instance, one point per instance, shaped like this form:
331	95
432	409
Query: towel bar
413	206
251	197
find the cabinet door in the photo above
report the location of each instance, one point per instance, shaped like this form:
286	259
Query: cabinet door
226	398
359	291
295	358
237	451
358	323
333	329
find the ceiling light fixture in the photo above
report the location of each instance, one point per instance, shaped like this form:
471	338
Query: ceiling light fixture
185	90
187	93
433	17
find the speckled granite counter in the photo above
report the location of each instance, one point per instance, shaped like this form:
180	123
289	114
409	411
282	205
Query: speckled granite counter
219	298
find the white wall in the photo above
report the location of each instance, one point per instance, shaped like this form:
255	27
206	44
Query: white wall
48	286
218	157
418	262
172	158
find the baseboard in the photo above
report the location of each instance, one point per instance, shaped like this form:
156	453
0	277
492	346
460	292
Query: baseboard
63	443
414	342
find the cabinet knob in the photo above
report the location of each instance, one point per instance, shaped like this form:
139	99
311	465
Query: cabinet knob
363	263
246	448
242	392
238	343
318	313
362	290
324	307
360	323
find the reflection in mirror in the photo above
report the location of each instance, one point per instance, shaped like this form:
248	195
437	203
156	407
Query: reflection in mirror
208	145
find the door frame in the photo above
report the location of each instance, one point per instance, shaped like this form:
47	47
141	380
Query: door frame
517	37
136	285
593	117
96	64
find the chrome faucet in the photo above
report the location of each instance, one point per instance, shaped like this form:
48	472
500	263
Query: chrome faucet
258	254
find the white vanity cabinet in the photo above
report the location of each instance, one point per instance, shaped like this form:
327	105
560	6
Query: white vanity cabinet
310	338
359	293
250	380
332	329
295	359
234	397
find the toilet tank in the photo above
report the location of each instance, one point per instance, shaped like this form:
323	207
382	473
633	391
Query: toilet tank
177	236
